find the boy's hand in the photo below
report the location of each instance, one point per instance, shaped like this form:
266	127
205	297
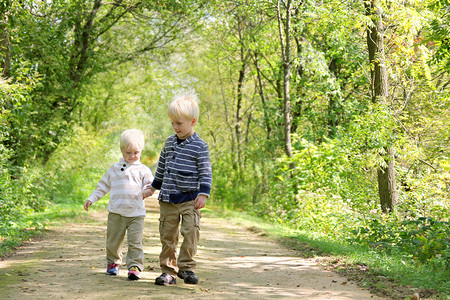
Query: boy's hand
200	202
87	204
147	192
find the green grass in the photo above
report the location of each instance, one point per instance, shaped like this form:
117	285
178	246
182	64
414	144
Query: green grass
404	272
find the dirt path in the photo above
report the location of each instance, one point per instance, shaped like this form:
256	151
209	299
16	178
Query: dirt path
233	263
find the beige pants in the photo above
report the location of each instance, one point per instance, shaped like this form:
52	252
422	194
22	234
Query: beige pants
115	235
170	217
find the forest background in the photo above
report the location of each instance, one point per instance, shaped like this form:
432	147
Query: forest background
328	118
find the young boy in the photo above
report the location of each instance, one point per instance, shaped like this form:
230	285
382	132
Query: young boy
125	181
184	177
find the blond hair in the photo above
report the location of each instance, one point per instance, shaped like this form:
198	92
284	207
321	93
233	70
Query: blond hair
184	106
132	139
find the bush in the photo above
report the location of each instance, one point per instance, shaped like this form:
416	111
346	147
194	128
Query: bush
423	239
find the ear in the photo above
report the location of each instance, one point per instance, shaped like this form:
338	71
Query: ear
194	121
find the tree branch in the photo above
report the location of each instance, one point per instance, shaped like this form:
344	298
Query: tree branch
110	12
428	164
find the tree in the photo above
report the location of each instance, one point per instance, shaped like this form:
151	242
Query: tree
387	187
284	28
64	44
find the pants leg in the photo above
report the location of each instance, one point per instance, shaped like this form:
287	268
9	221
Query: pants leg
115	234
135	231
169	221
190	230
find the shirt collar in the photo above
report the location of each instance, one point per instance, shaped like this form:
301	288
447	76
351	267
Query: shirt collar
186	141
123	162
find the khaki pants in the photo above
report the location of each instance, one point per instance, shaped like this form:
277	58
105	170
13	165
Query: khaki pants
115	235
170	217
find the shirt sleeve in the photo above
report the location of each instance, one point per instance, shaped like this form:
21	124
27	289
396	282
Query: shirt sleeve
103	187
147	178
204	171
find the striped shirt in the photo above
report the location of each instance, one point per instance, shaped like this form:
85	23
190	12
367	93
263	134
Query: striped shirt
125	183
184	170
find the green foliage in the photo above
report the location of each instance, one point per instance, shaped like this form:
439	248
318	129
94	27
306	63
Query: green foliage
427	239
425	191
65	105
440	33
59	46
77	170
370	133
424	239
329	186
25	191
322	192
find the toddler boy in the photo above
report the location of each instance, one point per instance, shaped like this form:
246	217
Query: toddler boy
126	181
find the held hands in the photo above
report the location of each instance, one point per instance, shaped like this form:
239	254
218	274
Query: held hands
147	192
87	204
200	202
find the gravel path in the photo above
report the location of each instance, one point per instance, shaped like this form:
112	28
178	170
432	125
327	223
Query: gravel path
233	263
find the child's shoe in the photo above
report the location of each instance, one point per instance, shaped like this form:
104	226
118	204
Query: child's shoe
165	279
188	276
112	269
133	273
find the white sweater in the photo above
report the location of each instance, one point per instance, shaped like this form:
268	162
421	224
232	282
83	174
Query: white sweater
125	183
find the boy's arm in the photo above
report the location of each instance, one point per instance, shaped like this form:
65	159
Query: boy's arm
103	187
204	171
147	191
147	178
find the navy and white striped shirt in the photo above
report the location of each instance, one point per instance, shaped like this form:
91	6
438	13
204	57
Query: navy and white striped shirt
184	170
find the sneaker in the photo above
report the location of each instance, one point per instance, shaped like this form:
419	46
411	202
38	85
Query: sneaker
188	276
112	269
165	279
133	273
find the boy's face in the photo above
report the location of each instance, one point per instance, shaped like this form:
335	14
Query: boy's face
131	155
183	127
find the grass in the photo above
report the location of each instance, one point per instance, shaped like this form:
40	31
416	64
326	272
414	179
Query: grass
388	275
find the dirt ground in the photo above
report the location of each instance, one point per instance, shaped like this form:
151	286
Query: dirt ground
233	263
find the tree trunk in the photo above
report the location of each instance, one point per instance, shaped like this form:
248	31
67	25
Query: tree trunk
240	96
261	94
83	41
298	82
332	103
286	53
387	188
238	122
5	63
